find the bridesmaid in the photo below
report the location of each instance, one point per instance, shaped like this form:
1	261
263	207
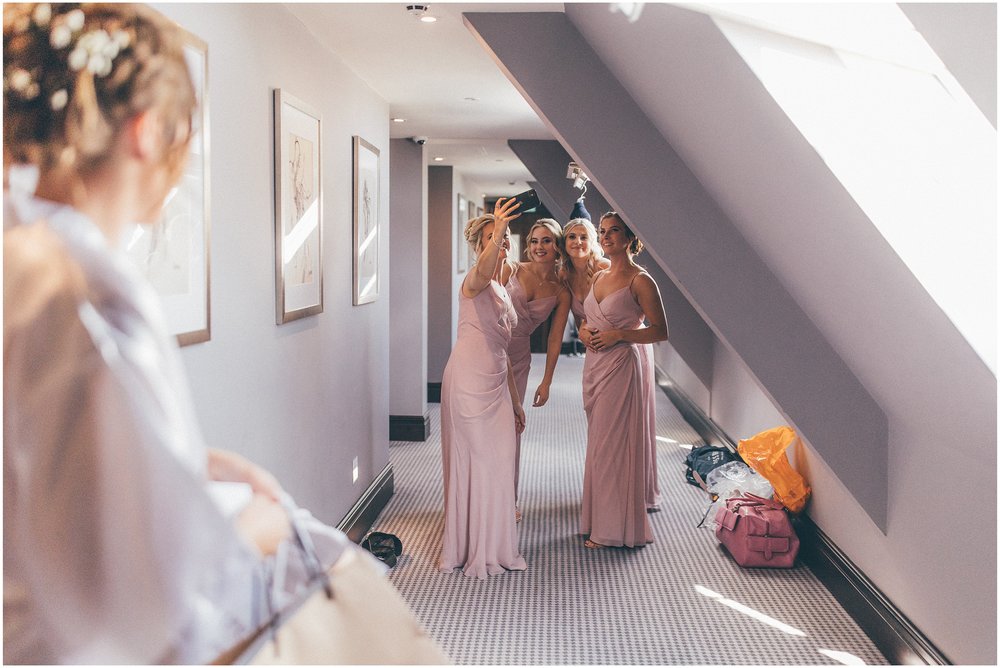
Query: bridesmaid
584	258
536	291
618	392
481	412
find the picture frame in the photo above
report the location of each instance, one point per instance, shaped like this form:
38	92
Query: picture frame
462	249
174	253
298	208
367	190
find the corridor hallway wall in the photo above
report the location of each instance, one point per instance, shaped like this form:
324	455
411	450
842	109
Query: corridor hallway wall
795	281
303	398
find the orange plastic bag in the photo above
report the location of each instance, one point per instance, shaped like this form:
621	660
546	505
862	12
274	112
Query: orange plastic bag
765	453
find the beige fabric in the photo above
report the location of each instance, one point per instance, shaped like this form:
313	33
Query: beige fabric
366	622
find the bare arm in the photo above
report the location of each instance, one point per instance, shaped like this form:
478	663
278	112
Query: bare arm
554	347
477	280
519	420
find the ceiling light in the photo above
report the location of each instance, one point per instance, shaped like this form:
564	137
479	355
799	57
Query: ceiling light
428	19
574	173
438	159
399	120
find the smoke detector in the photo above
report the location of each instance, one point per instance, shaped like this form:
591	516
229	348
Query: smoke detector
420	12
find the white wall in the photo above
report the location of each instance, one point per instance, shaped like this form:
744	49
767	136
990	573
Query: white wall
408	319
302	399
937	559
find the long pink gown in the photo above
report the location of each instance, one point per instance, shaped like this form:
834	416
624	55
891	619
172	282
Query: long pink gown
652	482
576	306
649	386
530	314
618	402
478	441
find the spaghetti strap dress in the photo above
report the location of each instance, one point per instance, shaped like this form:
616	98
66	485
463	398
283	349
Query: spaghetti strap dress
478	441
530	314
618	406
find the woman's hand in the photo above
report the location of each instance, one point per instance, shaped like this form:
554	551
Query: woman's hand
502	210
264	524
605	339
586	335
541	395
227	466
519	420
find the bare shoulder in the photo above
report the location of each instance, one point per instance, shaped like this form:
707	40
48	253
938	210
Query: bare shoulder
643	282
38	274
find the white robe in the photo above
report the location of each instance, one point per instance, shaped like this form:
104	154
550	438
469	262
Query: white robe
114	550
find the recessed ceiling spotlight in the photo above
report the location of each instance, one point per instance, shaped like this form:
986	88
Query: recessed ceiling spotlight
438	159
399	120
420	12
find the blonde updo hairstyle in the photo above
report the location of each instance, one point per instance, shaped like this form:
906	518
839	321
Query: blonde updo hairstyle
553	228
75	74
476	240
596	254
635	244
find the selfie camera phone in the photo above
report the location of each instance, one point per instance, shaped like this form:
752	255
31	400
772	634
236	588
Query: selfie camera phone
528	199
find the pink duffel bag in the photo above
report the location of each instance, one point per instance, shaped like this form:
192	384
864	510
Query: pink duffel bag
757	532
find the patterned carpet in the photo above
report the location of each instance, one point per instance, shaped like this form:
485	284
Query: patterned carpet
679	601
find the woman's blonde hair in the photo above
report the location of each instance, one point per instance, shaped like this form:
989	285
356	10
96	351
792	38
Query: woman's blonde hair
553	228
475	239
596	254
75	74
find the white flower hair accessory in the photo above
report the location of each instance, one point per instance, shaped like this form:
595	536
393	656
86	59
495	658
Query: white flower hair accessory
94	50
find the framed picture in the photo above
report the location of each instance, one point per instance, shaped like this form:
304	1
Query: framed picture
173	253
298	209
366	227
462	249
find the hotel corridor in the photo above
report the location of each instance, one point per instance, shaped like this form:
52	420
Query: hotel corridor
679	601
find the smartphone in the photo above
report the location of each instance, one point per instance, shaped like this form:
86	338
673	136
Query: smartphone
528	199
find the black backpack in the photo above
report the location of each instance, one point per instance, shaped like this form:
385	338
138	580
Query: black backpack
704	459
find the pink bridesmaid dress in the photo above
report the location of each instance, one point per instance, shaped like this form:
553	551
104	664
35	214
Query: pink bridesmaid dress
478	441
619	402
649	387
652	484
529	316
576	306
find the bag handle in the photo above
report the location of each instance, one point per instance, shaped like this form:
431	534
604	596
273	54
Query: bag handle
748	499
314	567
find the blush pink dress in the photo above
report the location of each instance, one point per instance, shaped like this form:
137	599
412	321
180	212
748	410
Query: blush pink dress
478	441
619	402
653	496
530	314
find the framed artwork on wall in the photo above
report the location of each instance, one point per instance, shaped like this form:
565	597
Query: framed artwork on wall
298	209
462	247
173	253
366	226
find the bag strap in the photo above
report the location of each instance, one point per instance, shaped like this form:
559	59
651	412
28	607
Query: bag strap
314	567
749	499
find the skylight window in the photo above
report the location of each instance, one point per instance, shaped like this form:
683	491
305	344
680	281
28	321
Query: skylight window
897	130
